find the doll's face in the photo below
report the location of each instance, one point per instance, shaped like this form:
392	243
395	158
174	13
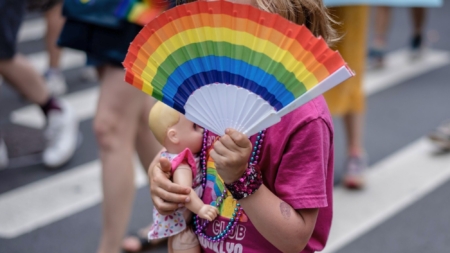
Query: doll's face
188	134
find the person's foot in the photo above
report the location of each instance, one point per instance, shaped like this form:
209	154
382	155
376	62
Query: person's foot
56	82
61	134
3	155
354	173
138	241
376	58
441	136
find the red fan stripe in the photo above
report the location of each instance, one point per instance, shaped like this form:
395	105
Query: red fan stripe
273	21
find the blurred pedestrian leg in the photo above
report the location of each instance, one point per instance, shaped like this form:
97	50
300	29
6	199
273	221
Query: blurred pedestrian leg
119	127
382	24
418	16
62	125
347	100
3	154
121	120
56	81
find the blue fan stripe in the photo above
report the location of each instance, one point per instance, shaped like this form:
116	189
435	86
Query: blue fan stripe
192	83
257	76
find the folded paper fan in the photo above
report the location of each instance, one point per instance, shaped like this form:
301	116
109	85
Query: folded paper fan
224	65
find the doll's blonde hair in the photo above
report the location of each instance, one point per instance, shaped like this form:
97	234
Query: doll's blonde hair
160	119
312	13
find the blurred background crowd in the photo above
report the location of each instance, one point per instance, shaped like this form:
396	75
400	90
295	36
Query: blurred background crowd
67	114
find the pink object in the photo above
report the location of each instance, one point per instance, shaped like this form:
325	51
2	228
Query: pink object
297	165
172	224
187	157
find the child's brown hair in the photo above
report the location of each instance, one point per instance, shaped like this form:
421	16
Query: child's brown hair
312	13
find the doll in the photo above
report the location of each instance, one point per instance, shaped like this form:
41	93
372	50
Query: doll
182	139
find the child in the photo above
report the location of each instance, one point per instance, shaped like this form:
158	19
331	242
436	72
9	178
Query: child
274	191
182	139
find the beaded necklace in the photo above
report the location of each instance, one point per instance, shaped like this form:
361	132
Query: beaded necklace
200	225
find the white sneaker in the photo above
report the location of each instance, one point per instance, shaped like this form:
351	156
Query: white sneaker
61	134
3	155
441	136
56	82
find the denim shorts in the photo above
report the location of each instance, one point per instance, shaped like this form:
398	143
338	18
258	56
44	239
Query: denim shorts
102	45
11	14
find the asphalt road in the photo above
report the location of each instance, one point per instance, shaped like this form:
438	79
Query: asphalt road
397	117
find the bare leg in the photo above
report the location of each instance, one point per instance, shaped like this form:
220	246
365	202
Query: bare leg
185	242
116	125
418	17
55	22
147	147
357	162
382	22
20	74
354	125
146	144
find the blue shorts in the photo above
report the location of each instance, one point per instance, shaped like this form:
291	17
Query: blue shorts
11	15
101	44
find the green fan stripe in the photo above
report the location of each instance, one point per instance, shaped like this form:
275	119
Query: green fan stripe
226	49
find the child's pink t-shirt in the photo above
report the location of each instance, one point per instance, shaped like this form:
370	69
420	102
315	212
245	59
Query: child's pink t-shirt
297	166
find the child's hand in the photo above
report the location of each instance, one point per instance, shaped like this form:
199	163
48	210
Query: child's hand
208	212
231	153
166	195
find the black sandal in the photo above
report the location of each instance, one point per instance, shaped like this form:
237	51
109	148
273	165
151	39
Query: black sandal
144	243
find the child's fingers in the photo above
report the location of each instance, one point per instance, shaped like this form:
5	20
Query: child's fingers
164	208
228	143
165	165
160	179
221	149
171	194
239	138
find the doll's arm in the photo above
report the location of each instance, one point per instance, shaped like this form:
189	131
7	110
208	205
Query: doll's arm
183	176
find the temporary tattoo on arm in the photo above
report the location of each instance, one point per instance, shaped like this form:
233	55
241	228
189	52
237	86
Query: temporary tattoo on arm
285	210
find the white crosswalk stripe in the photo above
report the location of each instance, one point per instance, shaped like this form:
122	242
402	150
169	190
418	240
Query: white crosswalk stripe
27	208
51	199
394	183
33	29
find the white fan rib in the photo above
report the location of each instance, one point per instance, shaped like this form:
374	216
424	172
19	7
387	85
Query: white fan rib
334	79
227	106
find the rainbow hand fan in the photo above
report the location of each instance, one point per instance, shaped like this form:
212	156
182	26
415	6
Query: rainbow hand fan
224	65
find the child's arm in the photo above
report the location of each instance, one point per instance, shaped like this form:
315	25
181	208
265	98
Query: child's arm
300	181
183	176
287	229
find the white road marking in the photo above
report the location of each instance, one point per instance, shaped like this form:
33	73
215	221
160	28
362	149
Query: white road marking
54	198
84	102
33	29
70	59
400	68
393	184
